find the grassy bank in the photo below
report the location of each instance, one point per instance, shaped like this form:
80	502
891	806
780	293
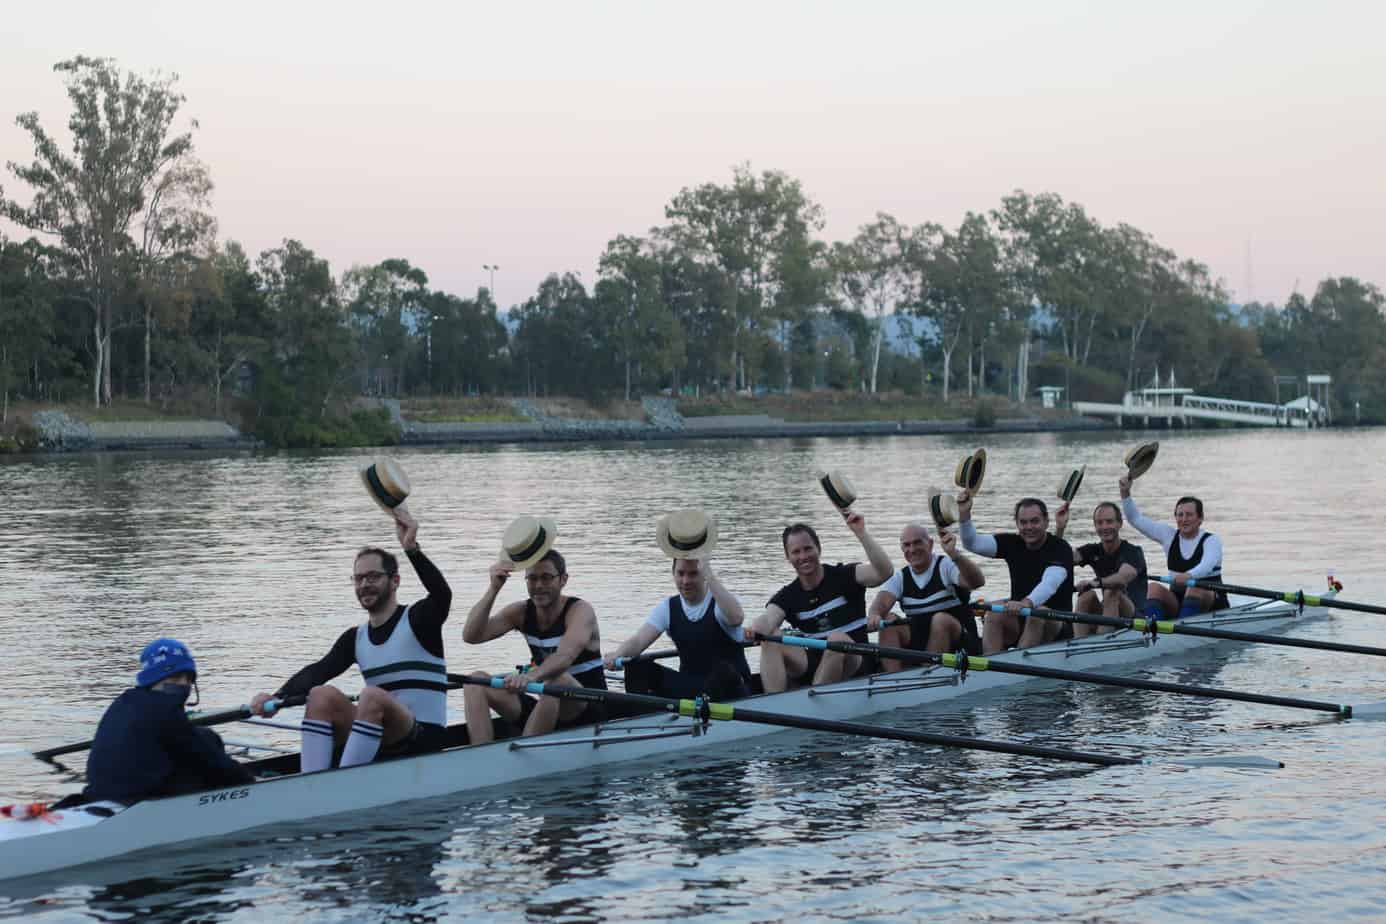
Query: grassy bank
830	406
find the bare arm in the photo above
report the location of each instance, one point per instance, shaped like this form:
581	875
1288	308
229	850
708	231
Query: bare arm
880	609
971	576
727	604
643	638
766	623
877	566
481	626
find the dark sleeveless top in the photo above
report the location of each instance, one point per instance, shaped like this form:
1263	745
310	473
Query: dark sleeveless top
934	596
586	669
703	643
1178	563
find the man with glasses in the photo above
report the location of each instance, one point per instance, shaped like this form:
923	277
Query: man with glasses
564	645
399	649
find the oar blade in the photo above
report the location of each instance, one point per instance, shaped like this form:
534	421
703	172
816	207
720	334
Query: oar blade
1370	712
1242	761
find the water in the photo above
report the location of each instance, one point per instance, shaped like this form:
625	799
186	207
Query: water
247	559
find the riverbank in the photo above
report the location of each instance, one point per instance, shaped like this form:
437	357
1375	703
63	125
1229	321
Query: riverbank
521	420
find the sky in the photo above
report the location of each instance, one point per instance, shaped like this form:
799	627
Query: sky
1250	136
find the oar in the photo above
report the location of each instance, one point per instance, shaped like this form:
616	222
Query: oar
706	711
673	652
211	718
1179	627
1288	596
973	663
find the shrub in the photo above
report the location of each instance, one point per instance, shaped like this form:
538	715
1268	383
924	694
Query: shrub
984	416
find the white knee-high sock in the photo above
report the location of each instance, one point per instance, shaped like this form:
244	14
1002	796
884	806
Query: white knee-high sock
317	745
363	743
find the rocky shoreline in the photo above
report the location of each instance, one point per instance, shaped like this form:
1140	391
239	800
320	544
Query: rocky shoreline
59	432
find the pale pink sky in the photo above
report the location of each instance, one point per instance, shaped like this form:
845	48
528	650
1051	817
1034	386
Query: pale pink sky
529	134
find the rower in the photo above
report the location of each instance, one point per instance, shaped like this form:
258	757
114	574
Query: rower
1041	572
145	745
1119	567
561	632
932	590
399	649
1190	552
712	658
823	601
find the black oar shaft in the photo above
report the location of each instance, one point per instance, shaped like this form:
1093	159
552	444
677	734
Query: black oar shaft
211	718
1174	627
1056	673
723	711
1288	596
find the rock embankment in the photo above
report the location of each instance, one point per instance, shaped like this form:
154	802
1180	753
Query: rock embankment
60	432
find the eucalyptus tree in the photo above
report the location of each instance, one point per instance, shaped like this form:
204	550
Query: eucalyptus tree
634	321
746	230
27	293
229	323
872	273
553	345
307	359
123	144
467	343
386	304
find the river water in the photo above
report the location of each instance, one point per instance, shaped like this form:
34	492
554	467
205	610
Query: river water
247	559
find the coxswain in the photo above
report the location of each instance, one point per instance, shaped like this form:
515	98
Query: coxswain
703	619
1041	573
932	590
1190	552
146	746
561	631
399	649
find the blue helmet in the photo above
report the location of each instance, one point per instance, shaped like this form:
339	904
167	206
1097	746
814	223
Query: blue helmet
162	658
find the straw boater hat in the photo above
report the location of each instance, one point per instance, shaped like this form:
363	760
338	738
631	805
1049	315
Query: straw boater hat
943	508
970	472
1139	459
1068	488
686	534
838	488
527	540
386	483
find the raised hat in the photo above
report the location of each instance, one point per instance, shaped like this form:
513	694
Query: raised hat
838	488
163	658
1139	459
527	540
1068	488
686	534
386	483
970	472
943	508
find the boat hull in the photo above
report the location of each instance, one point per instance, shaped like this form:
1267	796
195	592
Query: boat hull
72	838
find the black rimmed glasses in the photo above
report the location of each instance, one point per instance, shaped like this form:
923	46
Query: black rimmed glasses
369	577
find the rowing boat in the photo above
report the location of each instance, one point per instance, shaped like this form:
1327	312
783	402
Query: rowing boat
78	836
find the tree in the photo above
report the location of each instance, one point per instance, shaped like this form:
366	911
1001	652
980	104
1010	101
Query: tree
872	273
634	322
26	312
745	230
385	301
123	146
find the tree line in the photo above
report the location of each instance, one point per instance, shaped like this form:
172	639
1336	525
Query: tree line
124	288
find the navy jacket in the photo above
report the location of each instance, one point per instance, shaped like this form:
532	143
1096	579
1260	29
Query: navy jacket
145	746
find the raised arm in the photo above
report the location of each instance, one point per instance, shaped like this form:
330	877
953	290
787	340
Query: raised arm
727	604
877	566
439	593
1162	533
971	540
970	576
481	626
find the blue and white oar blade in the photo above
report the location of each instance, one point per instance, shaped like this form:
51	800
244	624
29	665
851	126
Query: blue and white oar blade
1369	711
1244	761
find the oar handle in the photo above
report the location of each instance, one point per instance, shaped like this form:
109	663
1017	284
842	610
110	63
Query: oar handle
621	662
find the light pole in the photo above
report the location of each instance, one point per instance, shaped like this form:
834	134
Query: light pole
491	268
428	348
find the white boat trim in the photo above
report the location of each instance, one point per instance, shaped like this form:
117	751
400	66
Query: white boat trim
32	847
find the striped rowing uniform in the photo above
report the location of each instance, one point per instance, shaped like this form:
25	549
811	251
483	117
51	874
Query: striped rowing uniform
587	668
837	604
1199	557
403	655
934	590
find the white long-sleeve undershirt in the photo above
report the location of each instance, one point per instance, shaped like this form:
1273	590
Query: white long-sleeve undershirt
1050	581
1165	534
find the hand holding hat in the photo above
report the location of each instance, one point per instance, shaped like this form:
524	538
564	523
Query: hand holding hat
686	534
527	540
970	472
386	483
1139	459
